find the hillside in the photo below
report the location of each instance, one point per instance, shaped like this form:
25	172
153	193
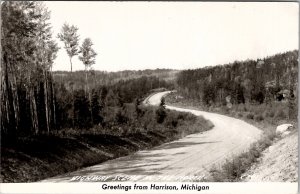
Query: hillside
252	81
278	163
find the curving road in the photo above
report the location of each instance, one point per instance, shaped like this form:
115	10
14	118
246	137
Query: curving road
192	155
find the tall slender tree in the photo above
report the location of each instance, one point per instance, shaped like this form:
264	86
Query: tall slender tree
45	54
70	38
25	37
88	58
18	30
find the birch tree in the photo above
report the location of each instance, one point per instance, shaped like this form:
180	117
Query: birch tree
70	38
26	47
45	54
88	58
18	28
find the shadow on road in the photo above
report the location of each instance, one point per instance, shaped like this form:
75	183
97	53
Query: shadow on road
175	145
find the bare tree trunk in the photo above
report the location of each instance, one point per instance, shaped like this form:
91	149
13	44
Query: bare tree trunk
11	98
33	107
73	107
5	105
86	82
73	101
53	100
88	95
33	111
91	107
46	101
15	100
71	63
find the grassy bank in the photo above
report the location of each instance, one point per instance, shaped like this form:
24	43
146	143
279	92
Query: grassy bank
39	157
265	117
233	168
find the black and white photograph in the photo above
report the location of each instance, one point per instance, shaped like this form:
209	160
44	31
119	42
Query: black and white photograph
149	96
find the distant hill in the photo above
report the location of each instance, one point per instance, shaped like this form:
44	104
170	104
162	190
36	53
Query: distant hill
108	78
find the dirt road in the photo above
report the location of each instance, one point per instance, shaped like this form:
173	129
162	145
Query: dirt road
194	154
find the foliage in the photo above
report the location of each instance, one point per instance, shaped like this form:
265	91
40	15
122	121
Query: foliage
250	81
28	51
161	114
87	53
33	103
70	38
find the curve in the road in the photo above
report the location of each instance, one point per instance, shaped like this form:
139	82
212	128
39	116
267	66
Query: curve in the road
191	155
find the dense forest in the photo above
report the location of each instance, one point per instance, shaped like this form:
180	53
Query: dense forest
28	52
105	105
253	82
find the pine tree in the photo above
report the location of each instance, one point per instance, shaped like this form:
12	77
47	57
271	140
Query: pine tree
161	113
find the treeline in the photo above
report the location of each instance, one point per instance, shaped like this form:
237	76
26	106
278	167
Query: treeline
253	81
108	78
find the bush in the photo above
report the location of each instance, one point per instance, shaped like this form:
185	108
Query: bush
280	114
250	116
271	114
160	115
240	114
258	118
172	119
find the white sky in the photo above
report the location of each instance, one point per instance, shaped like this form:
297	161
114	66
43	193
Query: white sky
177	35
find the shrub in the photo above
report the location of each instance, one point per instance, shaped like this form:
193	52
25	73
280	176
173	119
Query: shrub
280	114
250	116
172	119
266	114
241	107
271	114
233	169
240	114
161	114
258	117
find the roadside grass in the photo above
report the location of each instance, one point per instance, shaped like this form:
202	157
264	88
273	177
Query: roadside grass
44	156
264	117
232	169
